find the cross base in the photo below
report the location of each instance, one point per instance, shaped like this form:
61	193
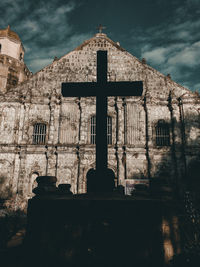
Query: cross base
100	182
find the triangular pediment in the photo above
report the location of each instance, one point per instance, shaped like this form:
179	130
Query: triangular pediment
80	66
98	42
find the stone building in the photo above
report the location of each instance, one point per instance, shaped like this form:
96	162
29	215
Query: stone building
42	133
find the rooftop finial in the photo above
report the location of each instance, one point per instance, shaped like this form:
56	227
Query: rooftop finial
144	61
100	28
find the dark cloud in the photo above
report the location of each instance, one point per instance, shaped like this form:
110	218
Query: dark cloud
165	32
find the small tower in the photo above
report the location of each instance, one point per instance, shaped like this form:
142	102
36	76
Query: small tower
12	67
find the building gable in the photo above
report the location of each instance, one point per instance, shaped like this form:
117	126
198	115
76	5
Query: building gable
80	66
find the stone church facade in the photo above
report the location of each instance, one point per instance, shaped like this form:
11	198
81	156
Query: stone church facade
152	136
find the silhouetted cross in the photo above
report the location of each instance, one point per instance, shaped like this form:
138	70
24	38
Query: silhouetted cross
101	89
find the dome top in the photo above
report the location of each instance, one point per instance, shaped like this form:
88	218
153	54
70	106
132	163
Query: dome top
9	33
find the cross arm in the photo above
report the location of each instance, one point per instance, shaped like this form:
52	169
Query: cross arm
82	89
124	88
86	89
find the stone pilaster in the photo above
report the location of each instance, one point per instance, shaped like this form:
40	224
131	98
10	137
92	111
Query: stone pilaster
22	172
16	123
51	157
25	137
54	120
121	167
19	134
83	119
120	140
52	107
16	170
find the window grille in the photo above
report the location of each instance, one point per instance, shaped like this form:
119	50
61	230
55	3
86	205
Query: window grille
162	134
93	130
39	134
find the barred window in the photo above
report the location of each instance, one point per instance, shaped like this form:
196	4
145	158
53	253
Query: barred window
162	133
93	130
39	133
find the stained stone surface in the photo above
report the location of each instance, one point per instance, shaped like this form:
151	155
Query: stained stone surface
68	153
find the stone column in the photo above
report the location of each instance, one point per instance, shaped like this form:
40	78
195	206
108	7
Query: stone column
16	171
121	167
124	141
25	137
59	124
52	107
17	122
173	141
121	133
183	139
56	121
19	134
81	188
51	161
147	141
22	172
82	123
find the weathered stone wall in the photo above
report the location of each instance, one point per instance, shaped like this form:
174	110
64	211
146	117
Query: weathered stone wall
67	152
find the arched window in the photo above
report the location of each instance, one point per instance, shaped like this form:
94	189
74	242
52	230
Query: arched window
162	133
93	130
39	133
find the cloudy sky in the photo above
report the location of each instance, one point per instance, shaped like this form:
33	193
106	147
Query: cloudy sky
165	32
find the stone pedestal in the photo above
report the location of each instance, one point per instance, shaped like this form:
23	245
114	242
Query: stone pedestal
94	229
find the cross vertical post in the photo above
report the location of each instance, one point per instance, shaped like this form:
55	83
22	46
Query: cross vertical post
101	114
